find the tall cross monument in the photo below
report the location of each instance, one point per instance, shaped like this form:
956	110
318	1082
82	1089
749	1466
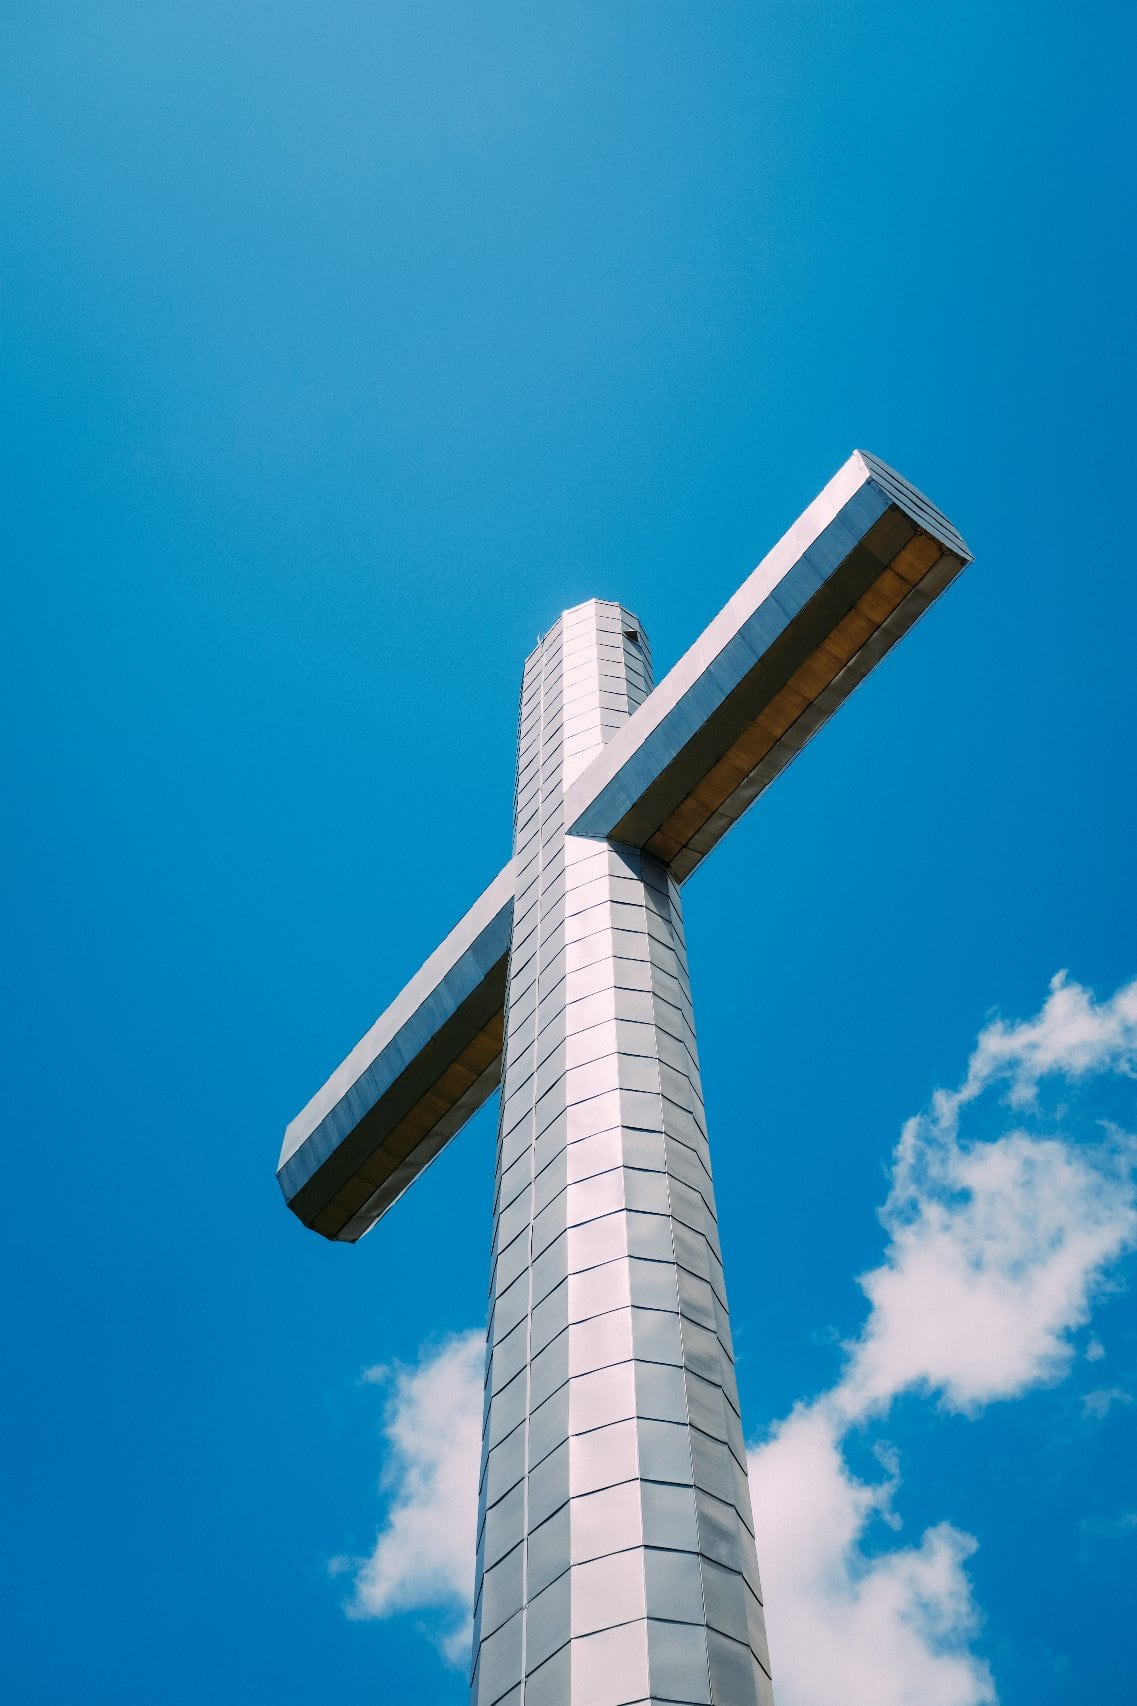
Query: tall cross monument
615	1548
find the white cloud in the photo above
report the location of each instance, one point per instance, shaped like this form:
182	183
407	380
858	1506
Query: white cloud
1097	1405
995	1252
1072	1034
893	1629
996	1248
424	1554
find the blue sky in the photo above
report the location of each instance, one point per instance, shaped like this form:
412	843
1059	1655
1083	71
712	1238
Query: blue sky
345	346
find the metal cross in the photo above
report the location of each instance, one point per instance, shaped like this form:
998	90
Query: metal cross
615	1552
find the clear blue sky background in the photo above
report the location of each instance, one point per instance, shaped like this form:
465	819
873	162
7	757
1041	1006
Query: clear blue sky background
346	345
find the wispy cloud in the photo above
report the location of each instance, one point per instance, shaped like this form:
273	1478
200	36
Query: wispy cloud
996	1246
1097	1405
1072	1035
424	1555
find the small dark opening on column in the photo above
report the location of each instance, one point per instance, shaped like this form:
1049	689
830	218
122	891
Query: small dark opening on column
632	634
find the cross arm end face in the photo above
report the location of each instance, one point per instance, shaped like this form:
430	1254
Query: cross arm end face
851	575
428	1063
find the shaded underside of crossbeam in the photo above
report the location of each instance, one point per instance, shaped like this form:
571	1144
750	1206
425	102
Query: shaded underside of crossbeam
838	590
410	1084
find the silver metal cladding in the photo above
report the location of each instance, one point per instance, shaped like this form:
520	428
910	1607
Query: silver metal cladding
857	568
616	1554
427	1063
852	574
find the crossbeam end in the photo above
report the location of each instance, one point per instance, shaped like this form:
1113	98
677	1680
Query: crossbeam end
425	1066
853	574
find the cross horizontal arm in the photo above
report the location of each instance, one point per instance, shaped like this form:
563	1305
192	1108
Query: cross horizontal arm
854	572
857	569
423	1068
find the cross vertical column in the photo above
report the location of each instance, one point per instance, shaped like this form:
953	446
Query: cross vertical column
616	1559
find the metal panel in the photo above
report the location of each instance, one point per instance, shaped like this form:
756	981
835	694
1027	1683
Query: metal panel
607	1293
854	573
428	1063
